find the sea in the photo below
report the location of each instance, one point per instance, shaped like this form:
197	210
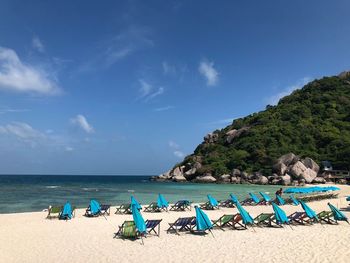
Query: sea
28	193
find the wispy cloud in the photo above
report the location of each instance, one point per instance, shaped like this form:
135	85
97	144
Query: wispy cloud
22	77
168	69
82	122
69	149
164	108
10	110
148	92
118	47
207	70
274	99
37	44
176	149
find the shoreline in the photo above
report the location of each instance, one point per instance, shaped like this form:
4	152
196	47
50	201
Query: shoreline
32	237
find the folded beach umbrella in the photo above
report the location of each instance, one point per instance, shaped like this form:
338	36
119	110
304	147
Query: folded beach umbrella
234	198
95	207
212	201
339	216
138	220
280	215
134	202
246	217
309	212
161	202
202	220
294	200
265	197
280	200
254	198
66	211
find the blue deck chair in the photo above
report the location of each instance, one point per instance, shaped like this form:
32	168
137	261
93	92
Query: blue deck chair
337	214
255	199
309	212
266	198
280	200
182	224
94	208
280	215
203	222
252	200
134	202
67	212
245	216
294	200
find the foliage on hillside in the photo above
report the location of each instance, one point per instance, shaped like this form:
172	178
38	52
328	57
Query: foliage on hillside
313	121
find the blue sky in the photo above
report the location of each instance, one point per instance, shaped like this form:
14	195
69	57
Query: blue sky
131	87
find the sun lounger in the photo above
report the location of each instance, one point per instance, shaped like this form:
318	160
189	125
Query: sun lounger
152	207
127	230
326	217
252	200
211	204
266	199
337	214
151	226
182	224
95	209
123	209
279	200
181	205
299	218
54	211
264	219
224	221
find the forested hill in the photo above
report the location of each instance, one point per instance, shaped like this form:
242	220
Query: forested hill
313	121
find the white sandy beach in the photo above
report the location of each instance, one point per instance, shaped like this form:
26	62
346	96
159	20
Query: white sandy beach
29	237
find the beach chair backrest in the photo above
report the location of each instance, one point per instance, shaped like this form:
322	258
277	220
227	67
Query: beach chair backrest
226	218
254	198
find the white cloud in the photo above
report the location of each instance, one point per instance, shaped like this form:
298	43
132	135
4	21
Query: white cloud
145	88
20	77
37	44
81	122
158	92
10	110
273	100
146	91
69	149
164	108
207	70
168	69
179	154
176	149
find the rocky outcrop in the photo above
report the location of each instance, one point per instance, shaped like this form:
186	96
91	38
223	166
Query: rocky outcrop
211	137
289	169
232	134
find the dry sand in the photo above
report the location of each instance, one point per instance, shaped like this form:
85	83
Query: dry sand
29	237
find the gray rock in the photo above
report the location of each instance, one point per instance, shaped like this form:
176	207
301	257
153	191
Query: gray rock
235	180
179	178
197	165
177	172
211	137
297	169
295	182
236	172
288	159
244	175
280	168
309	163
319	180
302	182
276	181
207	178
262	180
226	178
190	172
309	175
232	134
286	179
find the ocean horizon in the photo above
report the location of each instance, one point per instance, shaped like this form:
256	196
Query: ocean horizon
30	193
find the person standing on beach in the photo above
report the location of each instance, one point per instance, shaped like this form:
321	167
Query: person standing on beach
279	192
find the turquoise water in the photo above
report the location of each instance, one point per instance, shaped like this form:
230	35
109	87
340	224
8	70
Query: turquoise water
26	193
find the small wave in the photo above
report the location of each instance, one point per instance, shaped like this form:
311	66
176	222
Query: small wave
90	189
52	186
131	191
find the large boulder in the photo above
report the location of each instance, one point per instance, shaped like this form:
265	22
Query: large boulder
279	168
288	159
179	178
226	178
235	180
190	173
297	169
197	165
232	134
207	178
211	137
309	163
263	180
319	180
236	172
177	171
286	179
309	175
